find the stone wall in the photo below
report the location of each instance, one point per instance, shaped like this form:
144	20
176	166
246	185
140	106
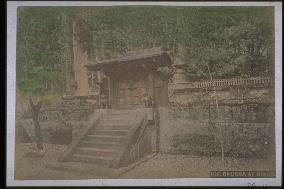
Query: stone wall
225	96
58	124
172	126
52	131
245	113
192	128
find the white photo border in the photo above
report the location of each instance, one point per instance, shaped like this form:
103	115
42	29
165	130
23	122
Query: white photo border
11	94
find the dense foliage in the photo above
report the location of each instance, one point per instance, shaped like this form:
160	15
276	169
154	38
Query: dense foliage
232	41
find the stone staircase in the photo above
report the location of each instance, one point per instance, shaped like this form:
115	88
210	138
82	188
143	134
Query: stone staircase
106	141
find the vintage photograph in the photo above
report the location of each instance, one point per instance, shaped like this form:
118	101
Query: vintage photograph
145	92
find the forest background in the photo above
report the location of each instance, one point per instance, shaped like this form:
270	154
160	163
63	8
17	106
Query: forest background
233	41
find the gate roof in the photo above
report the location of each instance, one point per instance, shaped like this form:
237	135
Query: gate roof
154	56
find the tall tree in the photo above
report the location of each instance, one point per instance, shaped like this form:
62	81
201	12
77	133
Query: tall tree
238	41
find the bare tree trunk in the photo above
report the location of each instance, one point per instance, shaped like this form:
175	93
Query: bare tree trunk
35	110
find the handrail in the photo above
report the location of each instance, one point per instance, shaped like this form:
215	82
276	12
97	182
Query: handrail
139	138
143	128
138	123
77	141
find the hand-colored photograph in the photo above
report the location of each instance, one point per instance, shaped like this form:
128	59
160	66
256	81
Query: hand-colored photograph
145	92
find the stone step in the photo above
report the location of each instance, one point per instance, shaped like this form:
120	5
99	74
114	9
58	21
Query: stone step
99	144
115	118
122	112
95	151
91	159
112	132
112	127
120	116
103	138
115	122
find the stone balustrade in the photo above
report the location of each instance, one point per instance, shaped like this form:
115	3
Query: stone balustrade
217	83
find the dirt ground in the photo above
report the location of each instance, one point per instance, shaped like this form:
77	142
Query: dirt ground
160	166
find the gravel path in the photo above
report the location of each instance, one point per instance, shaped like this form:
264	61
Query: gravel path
185	166
160	166
31	167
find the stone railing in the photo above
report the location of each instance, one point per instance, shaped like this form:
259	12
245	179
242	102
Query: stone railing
219	83
232	82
